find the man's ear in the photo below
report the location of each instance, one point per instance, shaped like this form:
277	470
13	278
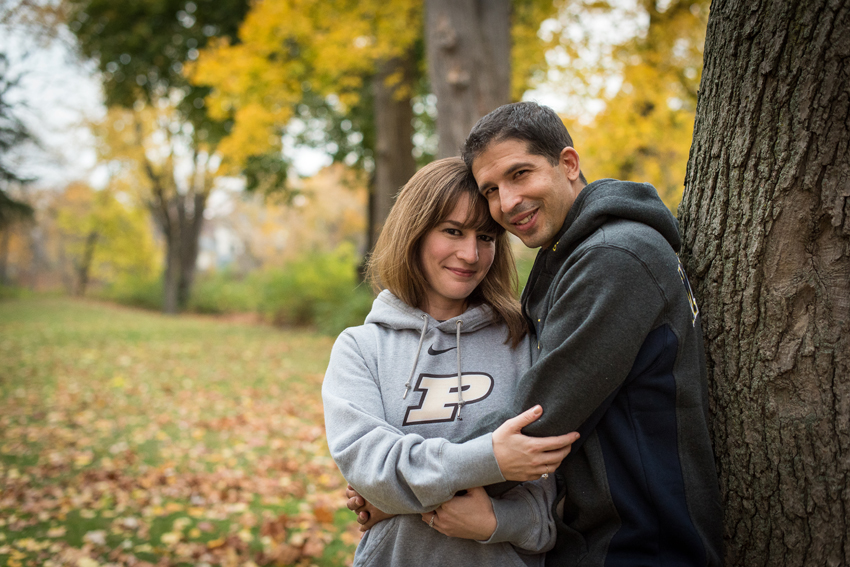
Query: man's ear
571	163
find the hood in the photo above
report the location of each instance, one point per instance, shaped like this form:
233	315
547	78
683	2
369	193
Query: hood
608	199
391	312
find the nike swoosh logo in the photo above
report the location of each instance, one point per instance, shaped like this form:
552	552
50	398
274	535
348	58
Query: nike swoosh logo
432	351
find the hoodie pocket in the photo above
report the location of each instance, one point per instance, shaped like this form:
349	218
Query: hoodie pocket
374	541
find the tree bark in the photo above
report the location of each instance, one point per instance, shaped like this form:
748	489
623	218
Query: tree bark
5	233
766	226
469	54
394	163
84	267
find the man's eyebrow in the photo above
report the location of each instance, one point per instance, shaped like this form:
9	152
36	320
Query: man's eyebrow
512	169
517	166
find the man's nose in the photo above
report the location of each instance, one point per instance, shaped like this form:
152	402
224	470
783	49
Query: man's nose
509	199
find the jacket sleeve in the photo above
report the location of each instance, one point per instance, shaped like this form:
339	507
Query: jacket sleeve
398	473
605	305
524	516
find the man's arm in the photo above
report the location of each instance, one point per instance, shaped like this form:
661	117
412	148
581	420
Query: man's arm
606	305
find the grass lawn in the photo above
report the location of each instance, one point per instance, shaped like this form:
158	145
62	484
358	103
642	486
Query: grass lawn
134	438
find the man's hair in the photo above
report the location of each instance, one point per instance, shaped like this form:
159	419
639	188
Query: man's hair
425	201
538	126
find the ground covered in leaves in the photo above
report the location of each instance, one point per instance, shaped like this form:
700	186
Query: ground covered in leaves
133	438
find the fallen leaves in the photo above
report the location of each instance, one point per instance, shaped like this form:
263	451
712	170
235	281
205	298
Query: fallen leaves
133	439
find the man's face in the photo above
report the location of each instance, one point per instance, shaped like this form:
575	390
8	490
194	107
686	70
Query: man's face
527	195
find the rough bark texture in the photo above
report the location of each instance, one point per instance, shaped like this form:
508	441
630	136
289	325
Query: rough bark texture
394	163
469	54
766	225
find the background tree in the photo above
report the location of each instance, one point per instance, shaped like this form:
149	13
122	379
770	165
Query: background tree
102	238
469	56
644	130
13	135
766	228
141	48
342	68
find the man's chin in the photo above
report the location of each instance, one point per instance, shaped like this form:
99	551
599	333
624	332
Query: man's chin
529	240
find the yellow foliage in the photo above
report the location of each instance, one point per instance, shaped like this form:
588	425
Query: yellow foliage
124	240
528	50
645	131
288	49
328	209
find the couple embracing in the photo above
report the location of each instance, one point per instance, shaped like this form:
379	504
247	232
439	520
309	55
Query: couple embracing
570	429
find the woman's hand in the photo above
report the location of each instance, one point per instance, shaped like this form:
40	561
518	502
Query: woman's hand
367	515
469	516
521	457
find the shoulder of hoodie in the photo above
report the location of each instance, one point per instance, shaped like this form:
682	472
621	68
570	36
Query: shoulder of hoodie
618	239
620	233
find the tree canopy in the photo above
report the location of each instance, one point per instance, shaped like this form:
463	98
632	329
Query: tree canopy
308	58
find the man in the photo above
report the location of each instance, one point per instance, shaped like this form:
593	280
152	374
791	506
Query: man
619	352
619	348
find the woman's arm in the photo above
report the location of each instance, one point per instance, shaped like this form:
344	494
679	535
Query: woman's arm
397	473
401	473
521	517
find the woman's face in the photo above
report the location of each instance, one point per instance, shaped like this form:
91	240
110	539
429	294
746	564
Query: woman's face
455	258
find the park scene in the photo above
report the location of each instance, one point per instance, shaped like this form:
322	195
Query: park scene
190	192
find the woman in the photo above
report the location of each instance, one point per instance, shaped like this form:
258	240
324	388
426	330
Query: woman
448	321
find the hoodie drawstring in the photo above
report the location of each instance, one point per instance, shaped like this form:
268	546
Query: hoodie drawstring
460	401
416	359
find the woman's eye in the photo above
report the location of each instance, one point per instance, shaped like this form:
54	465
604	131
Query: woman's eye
486	237
452	231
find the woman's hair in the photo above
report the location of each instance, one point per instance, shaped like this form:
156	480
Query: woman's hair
425	201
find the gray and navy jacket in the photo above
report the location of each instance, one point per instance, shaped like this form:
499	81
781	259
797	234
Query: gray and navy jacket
619	358
392	398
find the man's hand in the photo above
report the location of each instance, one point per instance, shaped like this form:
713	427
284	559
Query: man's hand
521	457
469	516
367	515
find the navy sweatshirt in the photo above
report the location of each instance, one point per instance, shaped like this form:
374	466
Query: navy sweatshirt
619	357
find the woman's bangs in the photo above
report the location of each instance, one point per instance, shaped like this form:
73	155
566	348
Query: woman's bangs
479	218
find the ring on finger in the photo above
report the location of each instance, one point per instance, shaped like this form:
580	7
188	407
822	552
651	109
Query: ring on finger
431	523
546	474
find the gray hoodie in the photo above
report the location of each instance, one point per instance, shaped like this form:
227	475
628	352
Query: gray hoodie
391	412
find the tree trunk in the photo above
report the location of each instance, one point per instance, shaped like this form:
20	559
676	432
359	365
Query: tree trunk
394	163
180	220
766	225
5	233
469	54
85	263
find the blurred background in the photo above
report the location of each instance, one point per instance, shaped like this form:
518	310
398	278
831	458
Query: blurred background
235	157
232	162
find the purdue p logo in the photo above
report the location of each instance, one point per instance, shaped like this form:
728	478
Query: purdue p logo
439	396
